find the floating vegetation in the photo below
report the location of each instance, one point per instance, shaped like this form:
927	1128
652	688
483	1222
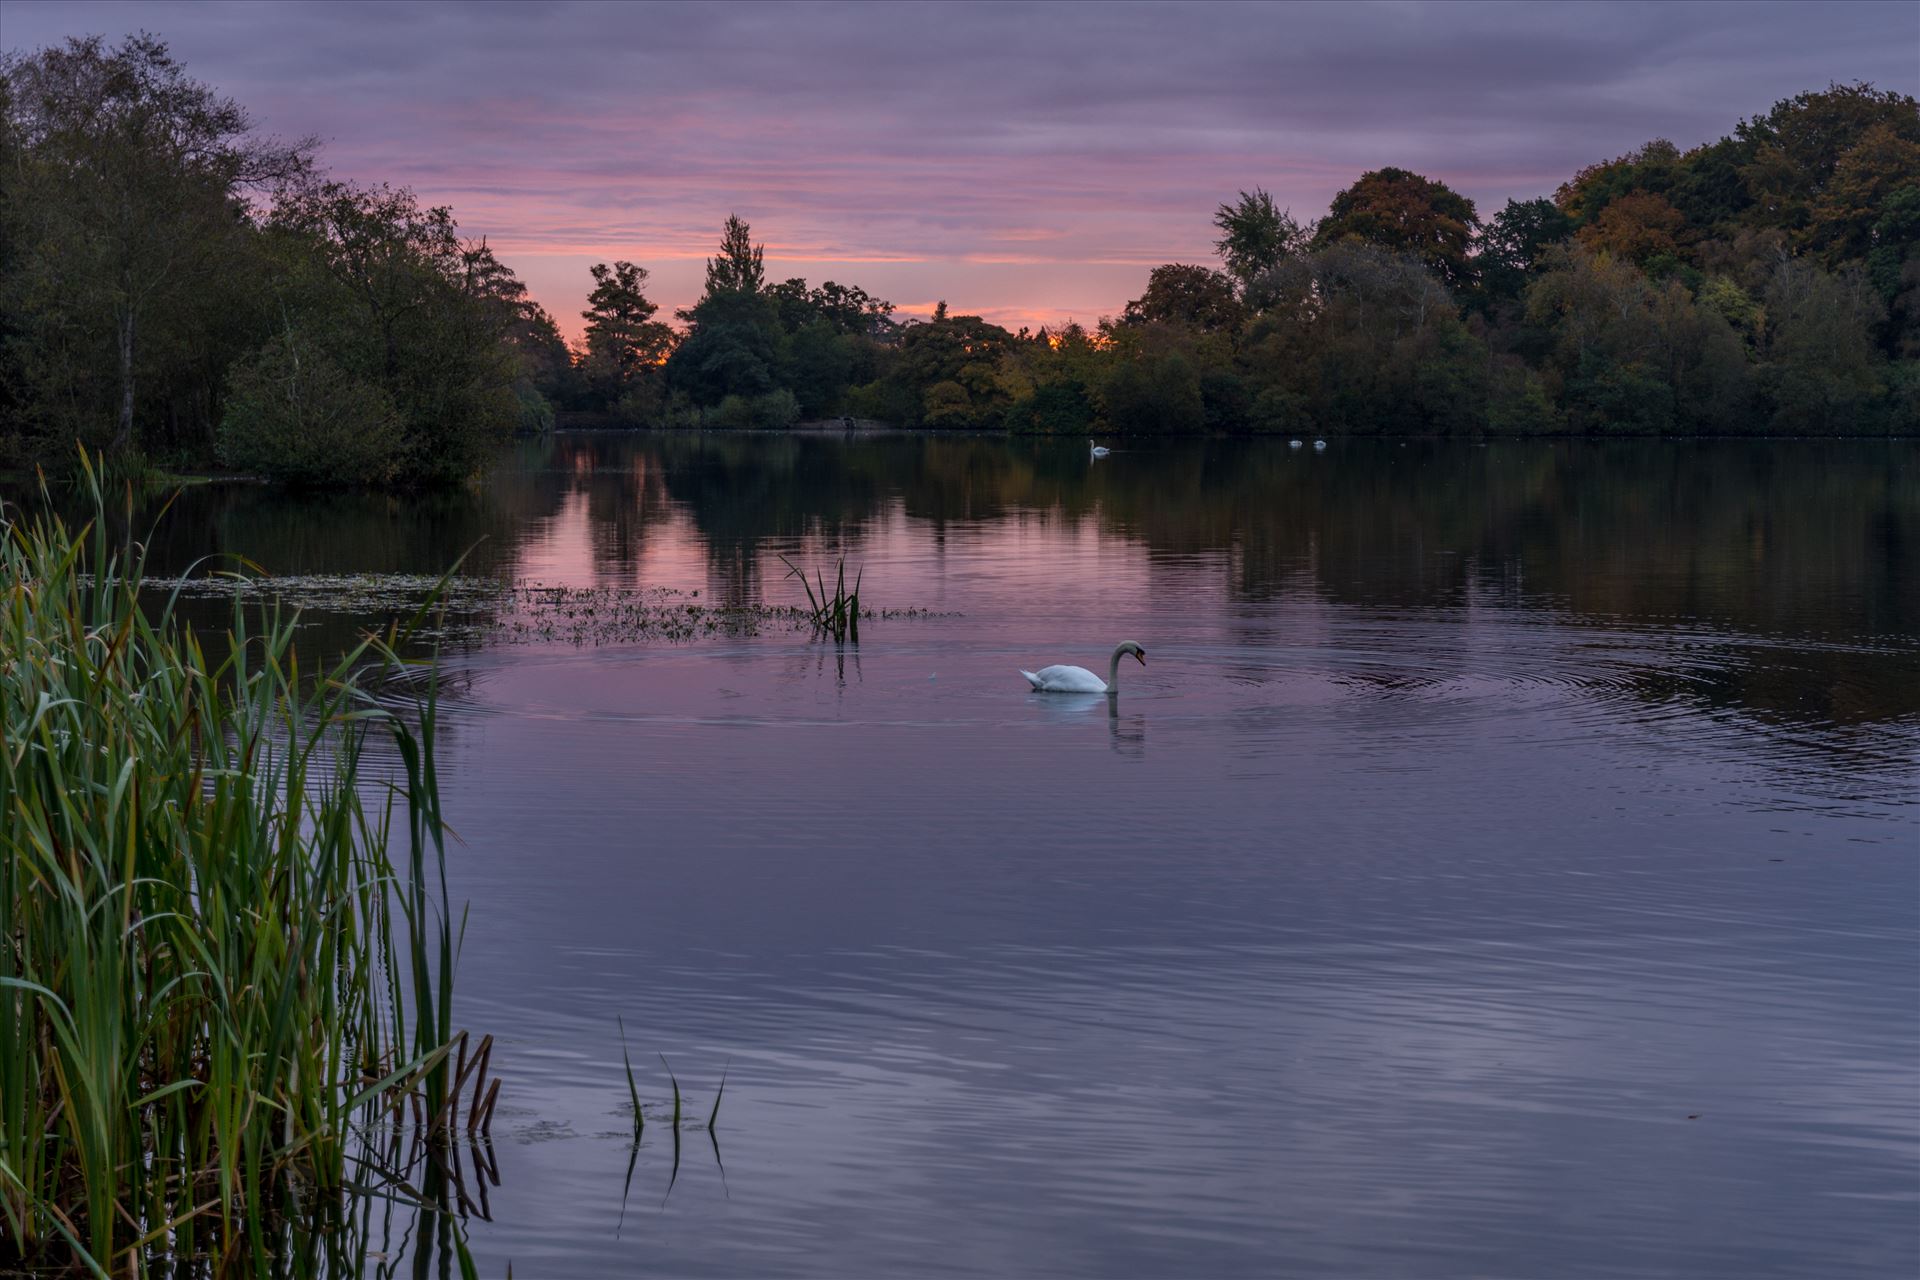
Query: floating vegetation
837	615
471	611
228	952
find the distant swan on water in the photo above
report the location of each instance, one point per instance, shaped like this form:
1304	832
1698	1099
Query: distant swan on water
1099	451
1062	679
1293	444
1319	444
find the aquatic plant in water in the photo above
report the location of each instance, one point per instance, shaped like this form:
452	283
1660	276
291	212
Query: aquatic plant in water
228	953
837	615
475	611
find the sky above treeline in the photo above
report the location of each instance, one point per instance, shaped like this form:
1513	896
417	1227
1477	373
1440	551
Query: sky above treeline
1026	162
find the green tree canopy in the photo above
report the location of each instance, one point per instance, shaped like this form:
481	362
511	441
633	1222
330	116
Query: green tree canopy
392	294
1513	242
127	196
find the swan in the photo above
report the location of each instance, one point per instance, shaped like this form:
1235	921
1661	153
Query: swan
1293	444
1319	444
1099	451
1059	679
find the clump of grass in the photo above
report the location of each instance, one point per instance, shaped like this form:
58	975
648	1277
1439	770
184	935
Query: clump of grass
211	966
838	614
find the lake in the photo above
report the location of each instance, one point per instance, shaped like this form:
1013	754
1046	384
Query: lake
1507	862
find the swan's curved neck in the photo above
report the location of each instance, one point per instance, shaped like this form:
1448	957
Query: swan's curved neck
1113	670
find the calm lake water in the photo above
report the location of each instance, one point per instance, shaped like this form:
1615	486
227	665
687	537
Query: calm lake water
1508	862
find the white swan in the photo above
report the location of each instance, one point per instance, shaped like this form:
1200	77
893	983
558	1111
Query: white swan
1099	451
1060	679
1293	444
1319	444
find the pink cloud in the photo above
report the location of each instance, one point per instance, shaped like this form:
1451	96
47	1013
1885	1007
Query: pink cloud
1019	161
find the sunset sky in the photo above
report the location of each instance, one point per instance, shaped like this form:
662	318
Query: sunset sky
1026	162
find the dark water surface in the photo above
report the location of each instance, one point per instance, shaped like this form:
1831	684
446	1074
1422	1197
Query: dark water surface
1507	864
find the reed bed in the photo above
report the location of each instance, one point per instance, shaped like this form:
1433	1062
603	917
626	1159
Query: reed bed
226	950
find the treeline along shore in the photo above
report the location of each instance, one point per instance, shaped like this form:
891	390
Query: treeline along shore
180	291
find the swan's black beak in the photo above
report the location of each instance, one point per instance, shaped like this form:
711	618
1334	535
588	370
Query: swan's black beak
1141	654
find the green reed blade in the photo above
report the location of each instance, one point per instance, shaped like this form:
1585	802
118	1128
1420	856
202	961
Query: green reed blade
713	1117
633	1090
676	1092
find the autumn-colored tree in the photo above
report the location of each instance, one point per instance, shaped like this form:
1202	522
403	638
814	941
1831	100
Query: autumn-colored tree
1854	201
1637	226
1656	167
1398	210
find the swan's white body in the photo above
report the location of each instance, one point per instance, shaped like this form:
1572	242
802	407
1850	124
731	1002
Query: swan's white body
1100	451
1319	444
1060	679
1293	444
1065	679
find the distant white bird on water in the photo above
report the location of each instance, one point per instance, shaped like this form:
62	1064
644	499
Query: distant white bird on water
1099	451
1319	444
1060	679
1293	444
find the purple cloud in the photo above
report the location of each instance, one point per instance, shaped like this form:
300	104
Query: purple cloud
1024	161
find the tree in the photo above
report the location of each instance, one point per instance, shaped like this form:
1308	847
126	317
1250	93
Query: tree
966	351
1796	147
1255	236
1404	212
1187	295
1513	243
1625	356
1154	397
1362	340
1824	371
849	309
625	344
1656	167
292	413
544	358
1848	216
1637	226
390	292
130	189
733	347
737	267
